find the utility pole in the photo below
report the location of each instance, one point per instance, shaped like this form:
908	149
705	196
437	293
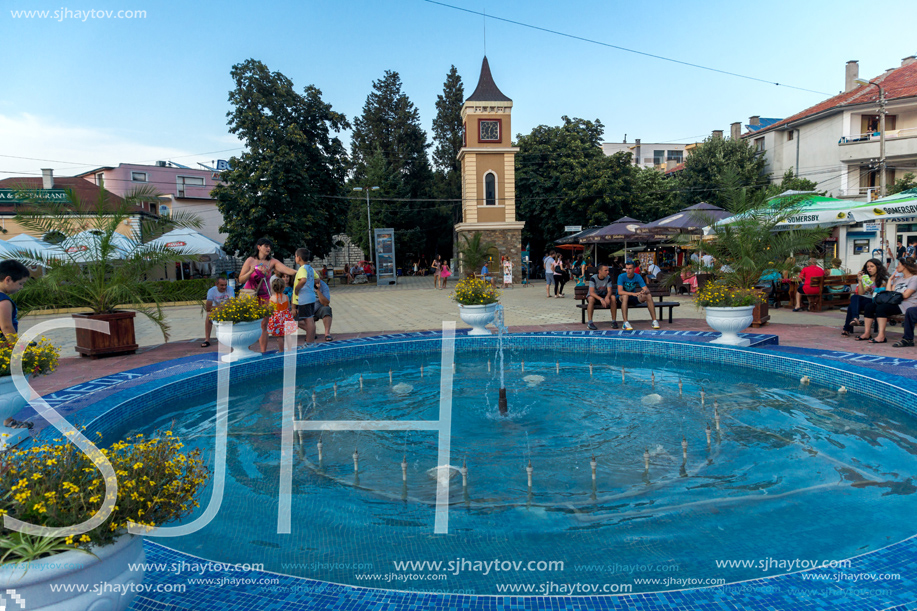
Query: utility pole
369	225
882	163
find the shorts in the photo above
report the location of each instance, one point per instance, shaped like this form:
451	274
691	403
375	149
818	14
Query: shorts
304	311
633	301
549	278
601	292
322	312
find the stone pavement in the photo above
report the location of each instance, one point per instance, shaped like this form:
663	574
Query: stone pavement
414	305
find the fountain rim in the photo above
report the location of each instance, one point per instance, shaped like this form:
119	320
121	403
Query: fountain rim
107	407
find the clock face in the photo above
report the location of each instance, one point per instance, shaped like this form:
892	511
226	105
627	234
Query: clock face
490	131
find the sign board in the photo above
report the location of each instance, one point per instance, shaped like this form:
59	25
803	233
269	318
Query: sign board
870	226
385	256
13	196
178	244
573	228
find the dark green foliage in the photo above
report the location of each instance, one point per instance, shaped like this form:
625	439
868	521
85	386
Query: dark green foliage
791	182
278	188
389	150
704	176
564	178
654	196
904	183
164	291
447	134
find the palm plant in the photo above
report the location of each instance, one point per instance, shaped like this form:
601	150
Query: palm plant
473	252
103	269
749	244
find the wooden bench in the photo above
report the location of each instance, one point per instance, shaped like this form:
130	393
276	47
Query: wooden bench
582	293
823	283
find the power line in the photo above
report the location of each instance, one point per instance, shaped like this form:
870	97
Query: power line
620	48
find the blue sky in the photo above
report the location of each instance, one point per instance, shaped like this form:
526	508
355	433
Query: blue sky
100	91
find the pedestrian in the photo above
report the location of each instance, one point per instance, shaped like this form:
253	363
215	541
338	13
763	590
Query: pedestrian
217	295
549	270
323	308
277	323
445	273
304	294
560	276
254	275
507	272
437	268
13	275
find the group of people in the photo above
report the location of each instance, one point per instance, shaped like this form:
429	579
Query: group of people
299	297
879	295
441	272
613	289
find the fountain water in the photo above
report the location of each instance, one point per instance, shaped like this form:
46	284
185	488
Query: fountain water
501	329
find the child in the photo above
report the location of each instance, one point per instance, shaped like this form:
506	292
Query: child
13	275
304	294
276	325
288	289
445	274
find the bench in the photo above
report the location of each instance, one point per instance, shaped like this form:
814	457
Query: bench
582	293
823	283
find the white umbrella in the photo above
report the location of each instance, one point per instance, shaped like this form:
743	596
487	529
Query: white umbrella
890	208
189	242
86	246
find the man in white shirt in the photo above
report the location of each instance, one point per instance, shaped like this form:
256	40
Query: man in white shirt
653	270
707	260
216	296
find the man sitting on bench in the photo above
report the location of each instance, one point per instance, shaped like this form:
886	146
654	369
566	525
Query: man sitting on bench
632	291
601	291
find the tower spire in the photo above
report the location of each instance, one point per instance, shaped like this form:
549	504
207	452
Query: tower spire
487	90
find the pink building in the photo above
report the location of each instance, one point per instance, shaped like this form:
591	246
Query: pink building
184	189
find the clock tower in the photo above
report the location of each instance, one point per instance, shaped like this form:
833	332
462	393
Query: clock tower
488	174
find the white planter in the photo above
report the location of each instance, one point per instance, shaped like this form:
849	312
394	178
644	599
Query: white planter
478	317
107	571
239	338
11	402
729	322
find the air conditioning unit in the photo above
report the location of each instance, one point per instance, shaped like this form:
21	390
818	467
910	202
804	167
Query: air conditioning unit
161	164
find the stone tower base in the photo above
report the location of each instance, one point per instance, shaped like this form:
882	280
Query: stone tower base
507	237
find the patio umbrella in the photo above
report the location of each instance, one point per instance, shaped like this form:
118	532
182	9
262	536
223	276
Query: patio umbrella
622	230
890	208
576	237
813	211
189	242
688	220
86	246
573	247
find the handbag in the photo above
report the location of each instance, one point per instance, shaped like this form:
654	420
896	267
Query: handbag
888	298
251	292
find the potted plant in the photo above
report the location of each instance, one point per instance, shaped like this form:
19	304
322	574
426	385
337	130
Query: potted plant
37	359
473	253
54	484
477	301
744	248
95	266
238	325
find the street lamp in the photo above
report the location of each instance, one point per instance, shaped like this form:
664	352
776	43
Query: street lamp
369	224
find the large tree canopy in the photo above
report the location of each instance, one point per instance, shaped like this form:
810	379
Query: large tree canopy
279	186
564	178
704	176
447	134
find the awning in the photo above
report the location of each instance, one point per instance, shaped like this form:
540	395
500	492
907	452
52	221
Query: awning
188	242
890	208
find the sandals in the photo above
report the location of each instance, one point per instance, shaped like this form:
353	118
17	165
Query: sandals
205	344
17	424
328	338
884	341
845	334
860	338
903	343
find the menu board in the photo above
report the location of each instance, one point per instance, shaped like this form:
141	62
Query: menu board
646	258
385	256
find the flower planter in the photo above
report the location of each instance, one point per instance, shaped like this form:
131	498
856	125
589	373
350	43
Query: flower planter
238	336
108	568
11	402
119	340
729	321
478	317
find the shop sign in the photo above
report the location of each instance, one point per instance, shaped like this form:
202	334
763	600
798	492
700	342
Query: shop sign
870	226
14	196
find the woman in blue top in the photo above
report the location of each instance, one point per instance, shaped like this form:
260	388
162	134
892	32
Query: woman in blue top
13	275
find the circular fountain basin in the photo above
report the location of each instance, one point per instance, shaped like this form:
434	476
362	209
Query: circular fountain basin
780	452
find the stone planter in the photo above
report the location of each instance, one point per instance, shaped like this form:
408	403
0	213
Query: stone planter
478	317
729	321
11	403
107	569
120	340
239	337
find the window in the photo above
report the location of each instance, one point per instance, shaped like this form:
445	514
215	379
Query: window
489	130
100	178
759	144
187	181
138	177
676	156
789	135
490	189
658	157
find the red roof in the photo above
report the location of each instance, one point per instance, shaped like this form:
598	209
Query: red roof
898	83
676	168
87	192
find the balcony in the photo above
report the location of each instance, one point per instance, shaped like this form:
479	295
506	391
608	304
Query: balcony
899	144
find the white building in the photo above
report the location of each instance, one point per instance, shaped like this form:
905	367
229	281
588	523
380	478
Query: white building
836	144
649	155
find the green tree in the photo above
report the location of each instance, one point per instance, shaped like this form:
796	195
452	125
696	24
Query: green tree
706	169
447	135
904	183
654	195
564	178
474	252
389	150
286	185
791	182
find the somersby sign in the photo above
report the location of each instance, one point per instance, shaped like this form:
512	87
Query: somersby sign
13	196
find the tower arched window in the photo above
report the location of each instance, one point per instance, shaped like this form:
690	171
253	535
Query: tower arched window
490	189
